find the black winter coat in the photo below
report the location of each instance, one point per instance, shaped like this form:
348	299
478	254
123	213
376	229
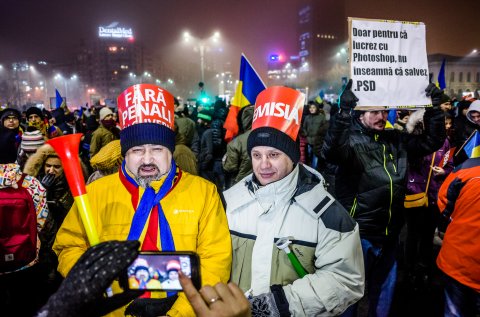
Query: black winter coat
372	165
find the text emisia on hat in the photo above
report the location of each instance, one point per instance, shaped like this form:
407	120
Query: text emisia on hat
280	108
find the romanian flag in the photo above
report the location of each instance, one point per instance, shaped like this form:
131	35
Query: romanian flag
472	148
248	87
441	83
319	98
58	99
391	119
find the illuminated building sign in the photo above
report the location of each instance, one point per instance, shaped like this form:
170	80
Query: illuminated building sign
115	31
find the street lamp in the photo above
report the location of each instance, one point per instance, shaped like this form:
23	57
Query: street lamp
37	79
65	83
60	77
202	45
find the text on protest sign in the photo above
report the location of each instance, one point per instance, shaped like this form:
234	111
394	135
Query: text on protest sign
388	63
145	103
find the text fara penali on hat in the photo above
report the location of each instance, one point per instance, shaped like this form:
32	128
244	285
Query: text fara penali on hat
150	104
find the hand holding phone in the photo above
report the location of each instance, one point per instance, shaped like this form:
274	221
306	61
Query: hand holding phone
223	300
81	293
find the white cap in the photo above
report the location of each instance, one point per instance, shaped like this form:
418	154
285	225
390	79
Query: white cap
105	111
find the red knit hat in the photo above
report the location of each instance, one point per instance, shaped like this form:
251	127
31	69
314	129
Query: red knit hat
146	115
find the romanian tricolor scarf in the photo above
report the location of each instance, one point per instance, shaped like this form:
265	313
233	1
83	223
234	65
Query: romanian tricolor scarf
149	212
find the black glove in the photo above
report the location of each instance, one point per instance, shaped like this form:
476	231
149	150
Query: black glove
272	304
150	307
82	291
48	180
347	99
435	94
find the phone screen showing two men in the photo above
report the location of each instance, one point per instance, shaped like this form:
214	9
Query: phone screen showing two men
160	272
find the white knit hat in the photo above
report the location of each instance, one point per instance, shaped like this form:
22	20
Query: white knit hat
31	141
105	111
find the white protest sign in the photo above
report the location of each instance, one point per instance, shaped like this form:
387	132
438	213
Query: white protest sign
388	63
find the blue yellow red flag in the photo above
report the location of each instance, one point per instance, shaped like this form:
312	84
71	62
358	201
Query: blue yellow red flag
442	84
248	87
472	148
58	99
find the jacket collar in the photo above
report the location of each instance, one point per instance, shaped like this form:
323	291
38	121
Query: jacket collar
276	193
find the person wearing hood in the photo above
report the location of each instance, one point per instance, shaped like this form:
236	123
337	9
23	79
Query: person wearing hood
105	133
46	166
473	114
370	182
467	121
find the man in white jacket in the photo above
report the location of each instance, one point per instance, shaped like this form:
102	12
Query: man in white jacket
324	272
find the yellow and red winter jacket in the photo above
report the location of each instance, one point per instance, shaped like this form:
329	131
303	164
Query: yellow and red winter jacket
194	212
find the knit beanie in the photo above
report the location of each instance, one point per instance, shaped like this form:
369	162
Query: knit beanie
272	137
276	121
35	110
445	98
31	141
146	114
105	111
10	112
205	115
108	157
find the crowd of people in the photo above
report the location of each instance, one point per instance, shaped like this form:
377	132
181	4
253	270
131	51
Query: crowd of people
329	180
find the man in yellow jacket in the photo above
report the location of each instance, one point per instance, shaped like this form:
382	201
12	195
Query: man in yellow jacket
152	200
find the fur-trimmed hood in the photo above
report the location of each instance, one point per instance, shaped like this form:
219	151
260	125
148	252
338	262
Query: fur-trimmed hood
414	118
35	162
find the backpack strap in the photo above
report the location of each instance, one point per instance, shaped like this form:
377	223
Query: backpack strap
20	181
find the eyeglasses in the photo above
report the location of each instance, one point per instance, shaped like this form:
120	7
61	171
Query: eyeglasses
12	118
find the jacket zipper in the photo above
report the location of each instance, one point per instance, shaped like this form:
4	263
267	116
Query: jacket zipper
393	163
391	189
354	206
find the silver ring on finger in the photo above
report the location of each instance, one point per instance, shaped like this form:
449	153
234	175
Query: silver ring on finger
213	300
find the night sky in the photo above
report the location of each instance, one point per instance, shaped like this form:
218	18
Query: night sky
51	29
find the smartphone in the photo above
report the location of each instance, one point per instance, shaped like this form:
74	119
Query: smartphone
158	271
